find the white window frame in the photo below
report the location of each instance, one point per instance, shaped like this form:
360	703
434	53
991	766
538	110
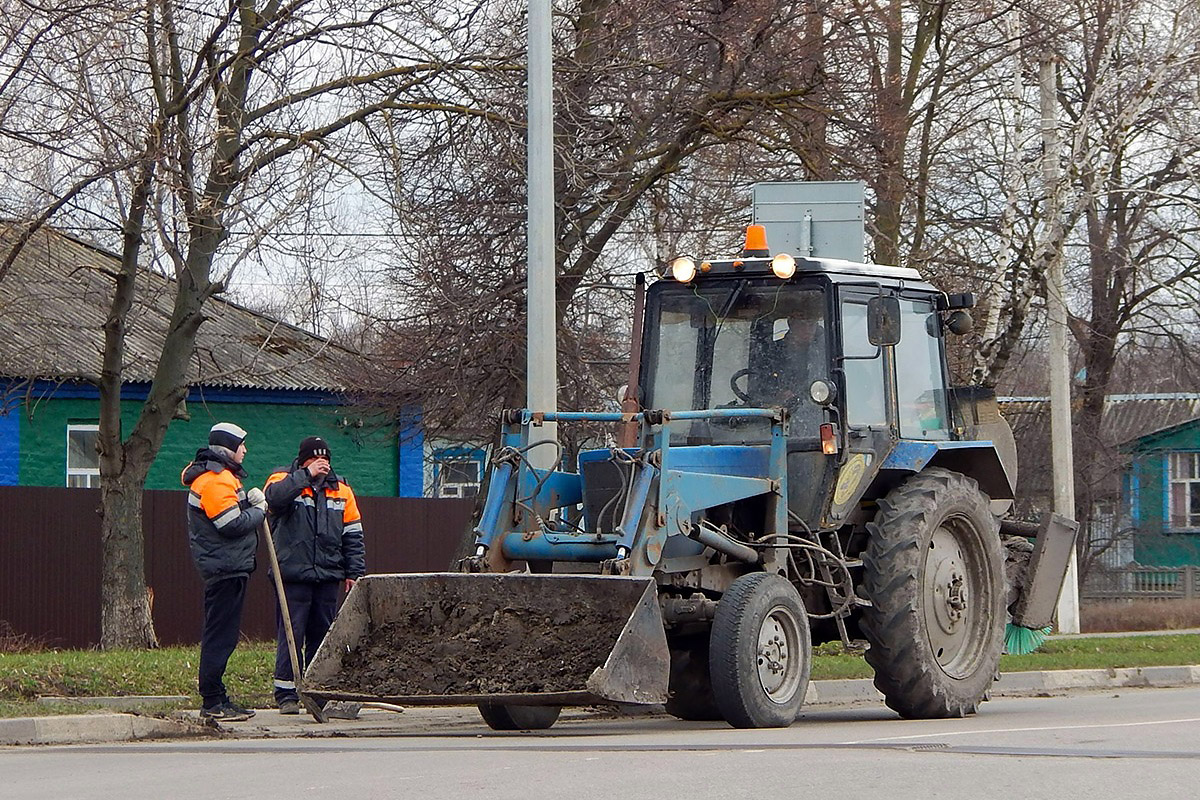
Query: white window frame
458	488
91	476
1191	518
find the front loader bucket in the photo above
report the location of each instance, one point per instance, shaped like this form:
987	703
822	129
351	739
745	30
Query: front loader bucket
462	639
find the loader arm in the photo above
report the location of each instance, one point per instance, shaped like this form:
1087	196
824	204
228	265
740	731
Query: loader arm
662	487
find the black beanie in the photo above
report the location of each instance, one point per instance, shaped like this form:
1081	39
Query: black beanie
313	447
226	434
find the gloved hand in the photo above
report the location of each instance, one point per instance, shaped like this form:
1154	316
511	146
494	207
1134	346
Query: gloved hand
257	499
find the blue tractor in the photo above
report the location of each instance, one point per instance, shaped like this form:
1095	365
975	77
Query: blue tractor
801	472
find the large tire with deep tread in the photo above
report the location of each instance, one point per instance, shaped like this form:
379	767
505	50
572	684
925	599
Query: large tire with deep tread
501	717
760	652
934	573
690	694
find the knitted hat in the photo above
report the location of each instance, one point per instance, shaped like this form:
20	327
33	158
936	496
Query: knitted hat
313	447
226	434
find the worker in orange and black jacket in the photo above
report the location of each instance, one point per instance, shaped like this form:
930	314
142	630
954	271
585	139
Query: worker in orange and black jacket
318	536
223	523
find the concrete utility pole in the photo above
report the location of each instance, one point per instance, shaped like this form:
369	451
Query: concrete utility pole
1061	450
541	369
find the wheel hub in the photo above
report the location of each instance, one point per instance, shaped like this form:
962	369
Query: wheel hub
947	599
775	656
772	655
956	597
949	595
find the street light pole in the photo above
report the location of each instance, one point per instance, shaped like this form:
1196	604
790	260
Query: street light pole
541	374
1061	449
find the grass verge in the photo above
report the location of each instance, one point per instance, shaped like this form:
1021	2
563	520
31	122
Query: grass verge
98	673
172	670
1124	651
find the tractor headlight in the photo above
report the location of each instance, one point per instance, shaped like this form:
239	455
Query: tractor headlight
822	392
683	269
783	265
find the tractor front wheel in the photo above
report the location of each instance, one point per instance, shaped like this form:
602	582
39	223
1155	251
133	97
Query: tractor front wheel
934	574
760	652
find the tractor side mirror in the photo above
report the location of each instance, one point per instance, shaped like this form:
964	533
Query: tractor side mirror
959	322
883	321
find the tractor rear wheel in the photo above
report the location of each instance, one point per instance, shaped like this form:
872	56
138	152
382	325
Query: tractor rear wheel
760	652
934	573
501	717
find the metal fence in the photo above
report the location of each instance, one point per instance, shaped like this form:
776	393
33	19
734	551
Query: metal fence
50	560
1140	583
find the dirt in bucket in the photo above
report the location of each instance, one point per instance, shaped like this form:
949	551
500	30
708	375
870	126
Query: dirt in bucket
452	647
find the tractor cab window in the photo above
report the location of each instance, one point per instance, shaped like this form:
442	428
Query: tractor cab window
920	376
744	345
862	365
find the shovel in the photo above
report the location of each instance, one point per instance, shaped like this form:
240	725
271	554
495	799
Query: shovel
309	704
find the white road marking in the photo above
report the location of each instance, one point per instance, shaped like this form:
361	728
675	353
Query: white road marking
1029	730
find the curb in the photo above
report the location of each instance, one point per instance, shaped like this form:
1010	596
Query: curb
833	692
93	728
128	703
107	727
1016	684
1023	684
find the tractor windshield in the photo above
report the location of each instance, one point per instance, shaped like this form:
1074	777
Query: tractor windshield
749	344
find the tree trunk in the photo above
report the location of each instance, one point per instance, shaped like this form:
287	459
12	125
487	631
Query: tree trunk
125	618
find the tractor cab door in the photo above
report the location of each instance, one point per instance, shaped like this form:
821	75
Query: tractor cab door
888	392
864	372
921	390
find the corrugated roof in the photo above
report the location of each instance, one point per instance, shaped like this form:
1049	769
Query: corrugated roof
1126	416
56	296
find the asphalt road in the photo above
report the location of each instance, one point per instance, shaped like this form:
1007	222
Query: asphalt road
1127	744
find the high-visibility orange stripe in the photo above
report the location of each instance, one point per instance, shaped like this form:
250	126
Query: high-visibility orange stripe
342	492
217	491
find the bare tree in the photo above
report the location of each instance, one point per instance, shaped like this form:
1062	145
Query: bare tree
647	94
1122	214
186	133
1138	264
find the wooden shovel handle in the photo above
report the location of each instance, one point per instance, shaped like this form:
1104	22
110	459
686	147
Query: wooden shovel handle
308	703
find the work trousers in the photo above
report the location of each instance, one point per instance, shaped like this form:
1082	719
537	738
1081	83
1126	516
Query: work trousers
223	601
313	607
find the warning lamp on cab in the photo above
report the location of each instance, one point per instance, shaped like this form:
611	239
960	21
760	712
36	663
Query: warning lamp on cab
755	258
756	243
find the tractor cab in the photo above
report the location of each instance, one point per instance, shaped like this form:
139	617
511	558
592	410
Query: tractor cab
853	352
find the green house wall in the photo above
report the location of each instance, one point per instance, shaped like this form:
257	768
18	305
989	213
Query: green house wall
364	451
1157	545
